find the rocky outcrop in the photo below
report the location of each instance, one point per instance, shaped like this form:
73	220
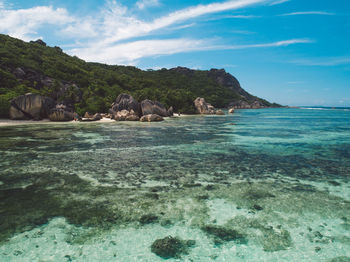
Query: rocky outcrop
151	118
125	102
64	92
242	104
39	42
229	81
31	106
125	115
171	111
88	117
203	107
149	107
59	114
219	112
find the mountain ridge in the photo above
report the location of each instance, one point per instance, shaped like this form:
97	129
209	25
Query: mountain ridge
92	87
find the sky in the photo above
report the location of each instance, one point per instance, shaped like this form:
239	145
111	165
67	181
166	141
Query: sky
293	52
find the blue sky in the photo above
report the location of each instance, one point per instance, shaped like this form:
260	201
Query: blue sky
293	52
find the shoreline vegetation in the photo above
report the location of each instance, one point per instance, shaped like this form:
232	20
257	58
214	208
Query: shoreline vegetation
74	85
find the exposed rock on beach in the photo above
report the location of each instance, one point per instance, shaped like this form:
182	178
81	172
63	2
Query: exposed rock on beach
31	106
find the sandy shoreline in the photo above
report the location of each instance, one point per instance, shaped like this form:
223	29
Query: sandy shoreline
9	122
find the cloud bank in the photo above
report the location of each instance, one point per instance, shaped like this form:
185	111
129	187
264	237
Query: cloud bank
111	35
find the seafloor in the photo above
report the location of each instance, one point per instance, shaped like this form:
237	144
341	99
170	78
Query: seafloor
259	185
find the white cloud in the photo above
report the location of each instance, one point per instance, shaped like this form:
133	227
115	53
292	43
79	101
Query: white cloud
99	38
24	23
142	4
308	13
329	61
273	44
130	52
233	17
125	27
114	23
81	29
277	2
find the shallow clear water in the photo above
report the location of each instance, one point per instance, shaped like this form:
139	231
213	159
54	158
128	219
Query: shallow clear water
280	178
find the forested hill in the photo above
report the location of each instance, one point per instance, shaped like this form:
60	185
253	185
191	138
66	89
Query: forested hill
36	68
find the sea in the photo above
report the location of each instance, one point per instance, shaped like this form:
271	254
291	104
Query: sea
256	185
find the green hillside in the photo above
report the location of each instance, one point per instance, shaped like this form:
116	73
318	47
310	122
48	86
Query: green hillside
36	68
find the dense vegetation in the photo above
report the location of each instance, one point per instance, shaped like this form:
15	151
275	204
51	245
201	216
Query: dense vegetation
93	87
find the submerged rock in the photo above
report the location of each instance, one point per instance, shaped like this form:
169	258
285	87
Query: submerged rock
276	241
171	247
31	106
148	219
151	118
203	107
222	234
257	207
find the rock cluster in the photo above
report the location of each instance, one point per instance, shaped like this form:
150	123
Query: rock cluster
90	117
126	108
125	102
242	104
125	115
205	108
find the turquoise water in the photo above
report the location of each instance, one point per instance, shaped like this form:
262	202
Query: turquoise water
279	178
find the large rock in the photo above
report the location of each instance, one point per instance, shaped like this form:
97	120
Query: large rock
171	111
151	118
203	107
125	115
59	114
149	107
31	106
126	102
88	117
220	113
